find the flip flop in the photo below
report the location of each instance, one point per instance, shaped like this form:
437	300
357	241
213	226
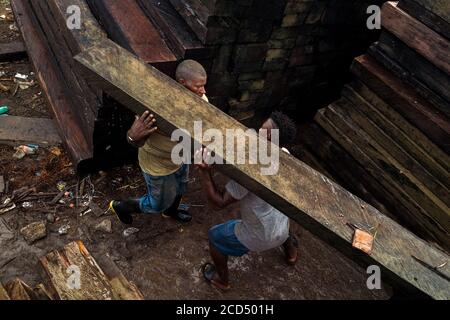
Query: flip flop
209	271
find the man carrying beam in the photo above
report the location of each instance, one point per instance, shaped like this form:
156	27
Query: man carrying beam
261	228
166	181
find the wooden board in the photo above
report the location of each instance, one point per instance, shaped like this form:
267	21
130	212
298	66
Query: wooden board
434	13
3	294
404	99
440	160
134	31
416	35
385	173
12	51
178	35
196	15
406	141
438	101
69	123
413	69
93	283
19	130
19	291
300	192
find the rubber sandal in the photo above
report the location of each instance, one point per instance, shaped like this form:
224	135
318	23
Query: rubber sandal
209	271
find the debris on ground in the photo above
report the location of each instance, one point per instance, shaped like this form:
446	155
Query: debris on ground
23	151
64	230
4	109
130	231
104	226
2	184
34	232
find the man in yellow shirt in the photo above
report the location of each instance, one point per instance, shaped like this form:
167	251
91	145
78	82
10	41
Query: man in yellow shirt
166	181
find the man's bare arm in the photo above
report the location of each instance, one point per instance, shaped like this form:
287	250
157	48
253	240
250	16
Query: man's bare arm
219	200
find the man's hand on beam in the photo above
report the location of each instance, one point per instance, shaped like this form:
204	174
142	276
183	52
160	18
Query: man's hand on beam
141	130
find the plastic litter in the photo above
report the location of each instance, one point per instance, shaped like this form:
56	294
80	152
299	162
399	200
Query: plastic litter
130	231
4	110
64	230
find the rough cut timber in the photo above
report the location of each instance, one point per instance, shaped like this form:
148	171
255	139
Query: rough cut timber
19	130
416	35
300	192
434	13
404	99
94	284
12	51
415	70
3	294
19	290
196	15
135	32
70	122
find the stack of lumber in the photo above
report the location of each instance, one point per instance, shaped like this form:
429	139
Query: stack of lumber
90	124
93	282
393	118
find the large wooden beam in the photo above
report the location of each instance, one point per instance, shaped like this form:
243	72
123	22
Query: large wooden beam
302	193
20	130
418	36
12	51
433	13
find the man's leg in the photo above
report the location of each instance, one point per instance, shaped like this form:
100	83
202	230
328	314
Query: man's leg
220	260
181	179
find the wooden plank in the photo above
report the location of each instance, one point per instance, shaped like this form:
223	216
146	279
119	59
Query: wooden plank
19	291
90	31
362	134
93	283
441	159
19	130
347	171
404	140
70	127
300	192
178	35
12	51
404	100
385	173
434	13
196	15
435	195
135	32
414	70
3	294
416	35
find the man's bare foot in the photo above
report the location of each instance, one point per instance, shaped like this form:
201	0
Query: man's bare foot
210	274
291	251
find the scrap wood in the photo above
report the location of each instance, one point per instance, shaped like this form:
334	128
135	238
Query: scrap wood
2	184
3	294
19	290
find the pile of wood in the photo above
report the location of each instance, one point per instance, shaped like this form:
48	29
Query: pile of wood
90	124
393	119
74	275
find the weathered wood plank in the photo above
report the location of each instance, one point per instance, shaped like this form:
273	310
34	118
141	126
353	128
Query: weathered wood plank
300	192
177	33
404	100
416	35
3	294
414	70
19	291
368	156
12	51
93	283
196	15
70	129
404	140
434	13
441	158
135	32
432	195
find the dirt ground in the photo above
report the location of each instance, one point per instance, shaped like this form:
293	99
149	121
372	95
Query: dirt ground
164	258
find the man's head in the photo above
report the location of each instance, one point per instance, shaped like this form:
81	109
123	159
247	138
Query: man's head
285	125
193	76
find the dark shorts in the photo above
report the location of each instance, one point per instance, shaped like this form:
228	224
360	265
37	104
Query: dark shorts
224	239
162	191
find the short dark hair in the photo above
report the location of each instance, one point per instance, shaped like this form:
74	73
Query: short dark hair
287	127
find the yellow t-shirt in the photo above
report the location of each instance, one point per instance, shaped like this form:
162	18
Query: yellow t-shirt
155	157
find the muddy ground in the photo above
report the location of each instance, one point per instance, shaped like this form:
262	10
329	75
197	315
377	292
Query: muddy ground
164	258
